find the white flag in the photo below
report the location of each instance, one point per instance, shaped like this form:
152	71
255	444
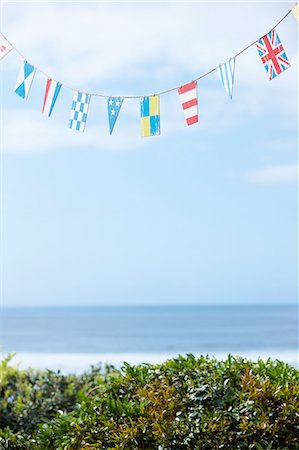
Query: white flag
5	46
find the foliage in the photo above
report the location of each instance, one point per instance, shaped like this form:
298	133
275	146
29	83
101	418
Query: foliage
185	403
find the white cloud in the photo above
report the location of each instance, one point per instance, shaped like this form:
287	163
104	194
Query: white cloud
283	174
86	43
37	133
25	129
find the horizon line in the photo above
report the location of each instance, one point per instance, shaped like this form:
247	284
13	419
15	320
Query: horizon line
150	305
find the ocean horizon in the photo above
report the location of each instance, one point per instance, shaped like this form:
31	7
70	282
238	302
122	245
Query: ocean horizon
71	339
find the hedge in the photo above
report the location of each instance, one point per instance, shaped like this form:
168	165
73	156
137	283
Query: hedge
185	403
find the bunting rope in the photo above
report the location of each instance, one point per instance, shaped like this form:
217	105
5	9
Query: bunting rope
269	48
166	91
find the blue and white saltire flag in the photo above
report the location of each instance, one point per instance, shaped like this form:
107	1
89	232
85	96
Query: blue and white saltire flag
52	91
79	111
226	73
25	79
114	105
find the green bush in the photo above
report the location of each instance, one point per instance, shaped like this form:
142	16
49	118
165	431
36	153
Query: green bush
185	403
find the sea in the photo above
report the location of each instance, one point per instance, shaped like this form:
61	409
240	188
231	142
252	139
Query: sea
71	339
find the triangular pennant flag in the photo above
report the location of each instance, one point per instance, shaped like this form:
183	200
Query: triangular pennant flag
5	46
295	11
79	111
114	105
25	79
52	91
188	97
272	54
150	116
226	73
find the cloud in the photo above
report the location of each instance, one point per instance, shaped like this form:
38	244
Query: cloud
37	134
283	174
26	130
88	43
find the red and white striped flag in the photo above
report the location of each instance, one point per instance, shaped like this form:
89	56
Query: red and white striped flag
188	97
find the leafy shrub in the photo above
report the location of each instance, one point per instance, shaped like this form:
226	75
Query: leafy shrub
185	403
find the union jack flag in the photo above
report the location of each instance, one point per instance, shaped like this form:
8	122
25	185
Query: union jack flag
272	54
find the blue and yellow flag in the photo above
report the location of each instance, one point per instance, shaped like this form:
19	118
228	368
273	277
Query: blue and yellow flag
150	116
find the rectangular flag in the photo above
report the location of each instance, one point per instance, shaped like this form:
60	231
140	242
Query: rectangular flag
272	54
52	91
295	11
150	116
25	79
114	105
5	46
188	97
226	73
79	111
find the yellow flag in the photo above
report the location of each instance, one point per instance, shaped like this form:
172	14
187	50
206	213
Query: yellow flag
295	11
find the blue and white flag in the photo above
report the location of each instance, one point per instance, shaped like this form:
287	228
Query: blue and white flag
226	73
114	105
25	79
52	91
79	111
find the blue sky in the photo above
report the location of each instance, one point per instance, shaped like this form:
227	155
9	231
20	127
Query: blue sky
202	214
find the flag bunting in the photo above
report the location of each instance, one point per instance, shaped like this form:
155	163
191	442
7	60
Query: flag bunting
24	80
79	111
272	54
270	49
51	94
295	11
5	46
226	73
114	105
150	116
188	97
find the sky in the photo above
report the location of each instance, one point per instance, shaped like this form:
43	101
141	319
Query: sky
205	214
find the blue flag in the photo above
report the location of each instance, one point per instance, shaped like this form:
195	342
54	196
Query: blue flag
114	105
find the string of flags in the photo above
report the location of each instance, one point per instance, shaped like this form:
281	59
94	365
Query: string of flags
269	47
